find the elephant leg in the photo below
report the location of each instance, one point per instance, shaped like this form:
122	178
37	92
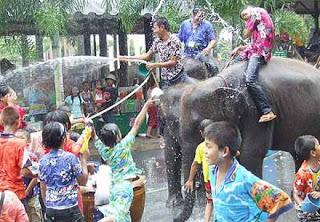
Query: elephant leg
173	163
188	153
257	139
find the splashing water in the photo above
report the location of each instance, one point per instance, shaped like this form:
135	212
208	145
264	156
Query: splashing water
37	85
216	18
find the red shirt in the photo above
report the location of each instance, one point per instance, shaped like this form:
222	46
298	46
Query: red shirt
306	181
11	163
12	209
21	112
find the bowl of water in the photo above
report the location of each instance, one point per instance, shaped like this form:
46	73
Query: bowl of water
156	93
142	70
310	204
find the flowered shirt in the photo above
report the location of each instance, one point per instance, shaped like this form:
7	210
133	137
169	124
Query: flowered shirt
59	170
121	197
196	39
167	50
306	180
262	34
244	197
119	158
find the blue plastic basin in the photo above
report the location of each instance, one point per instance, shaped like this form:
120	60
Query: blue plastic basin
310	204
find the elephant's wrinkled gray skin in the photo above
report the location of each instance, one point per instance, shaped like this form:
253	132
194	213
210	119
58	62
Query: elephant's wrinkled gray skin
194	68
292	87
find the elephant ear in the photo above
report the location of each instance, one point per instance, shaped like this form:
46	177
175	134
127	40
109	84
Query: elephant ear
230	102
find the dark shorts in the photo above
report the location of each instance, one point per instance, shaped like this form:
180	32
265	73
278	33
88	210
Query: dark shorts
72	214
207	187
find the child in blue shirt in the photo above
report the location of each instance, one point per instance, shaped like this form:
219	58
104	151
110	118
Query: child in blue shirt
116	152
237	194
75	102
60	174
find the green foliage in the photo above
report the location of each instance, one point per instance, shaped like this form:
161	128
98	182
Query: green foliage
175	14
291	23
50	19
129	11
51	16
231	8
13	48
20	11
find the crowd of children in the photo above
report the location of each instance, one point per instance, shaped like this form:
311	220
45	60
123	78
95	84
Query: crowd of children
42	178
93	99
103	95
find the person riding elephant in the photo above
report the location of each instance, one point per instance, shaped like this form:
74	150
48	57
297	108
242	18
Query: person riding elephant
259	27
170	52
199	39
225	97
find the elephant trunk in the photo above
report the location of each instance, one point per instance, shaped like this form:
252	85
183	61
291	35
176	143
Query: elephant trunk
188	157
173	169
187	208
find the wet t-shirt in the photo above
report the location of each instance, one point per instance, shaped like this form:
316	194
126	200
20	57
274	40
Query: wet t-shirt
196	39
119	158
167	50
59	170
13	157
262	34
244	197
201	159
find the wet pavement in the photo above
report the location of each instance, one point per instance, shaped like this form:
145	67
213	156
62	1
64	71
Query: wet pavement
150	157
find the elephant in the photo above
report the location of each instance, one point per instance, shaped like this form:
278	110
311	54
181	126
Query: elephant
225	98
196	69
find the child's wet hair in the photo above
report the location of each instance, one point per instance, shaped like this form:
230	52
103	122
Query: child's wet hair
224	134
109	134
58	116
53	135
303	145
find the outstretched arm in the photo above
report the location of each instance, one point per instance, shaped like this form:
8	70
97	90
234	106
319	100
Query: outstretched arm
139	119
146	56
210	46
237	50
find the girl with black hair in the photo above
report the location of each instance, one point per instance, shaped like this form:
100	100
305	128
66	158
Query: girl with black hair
60	174
116	152
75	103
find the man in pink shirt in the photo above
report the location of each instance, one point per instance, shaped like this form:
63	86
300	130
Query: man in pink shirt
260	29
